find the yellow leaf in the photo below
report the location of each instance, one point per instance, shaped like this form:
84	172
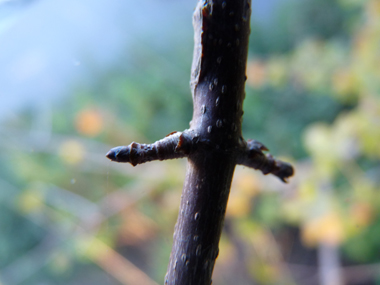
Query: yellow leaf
345	84
256	73
361	214
265	273
31	201
238	206
373	10
245	182
244	188
89	122
320	143
136	228
277	71
327	228
72	151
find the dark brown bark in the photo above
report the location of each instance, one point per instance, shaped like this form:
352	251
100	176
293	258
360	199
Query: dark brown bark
217	82
214	142
200	219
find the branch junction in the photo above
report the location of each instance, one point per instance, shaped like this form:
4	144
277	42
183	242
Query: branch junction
183	144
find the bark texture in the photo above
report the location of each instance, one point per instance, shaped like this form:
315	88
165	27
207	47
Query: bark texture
214	142
217	83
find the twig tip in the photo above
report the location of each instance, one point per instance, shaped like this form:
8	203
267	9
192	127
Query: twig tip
284	171
113	153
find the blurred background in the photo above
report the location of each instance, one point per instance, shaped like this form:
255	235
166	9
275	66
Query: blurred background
80	77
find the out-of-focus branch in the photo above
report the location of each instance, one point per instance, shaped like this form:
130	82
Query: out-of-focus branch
253	156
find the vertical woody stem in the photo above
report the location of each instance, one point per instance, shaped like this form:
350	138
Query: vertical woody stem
217	82
214	142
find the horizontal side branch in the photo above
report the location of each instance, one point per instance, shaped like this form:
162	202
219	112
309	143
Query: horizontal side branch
253	157
174	145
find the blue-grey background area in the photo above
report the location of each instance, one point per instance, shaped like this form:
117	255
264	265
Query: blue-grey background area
47	47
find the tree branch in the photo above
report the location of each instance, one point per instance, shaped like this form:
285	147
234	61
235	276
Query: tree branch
253	156
214	143
182	144
174	145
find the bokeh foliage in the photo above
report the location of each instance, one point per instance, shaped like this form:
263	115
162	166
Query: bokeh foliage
71	217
